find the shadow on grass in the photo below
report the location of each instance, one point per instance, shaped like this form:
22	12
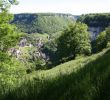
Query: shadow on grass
89	83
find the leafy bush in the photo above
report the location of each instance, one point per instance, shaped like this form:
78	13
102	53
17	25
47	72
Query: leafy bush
74	40
101	41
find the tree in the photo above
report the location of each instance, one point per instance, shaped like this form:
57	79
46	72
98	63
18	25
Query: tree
8	33
108	35
74	40
10	68
101	41
5	4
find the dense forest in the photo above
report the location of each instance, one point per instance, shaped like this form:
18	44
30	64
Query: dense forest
96	20
51	56
42	23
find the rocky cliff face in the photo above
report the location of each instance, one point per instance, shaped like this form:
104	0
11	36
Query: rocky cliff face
96	22
94	31
28	53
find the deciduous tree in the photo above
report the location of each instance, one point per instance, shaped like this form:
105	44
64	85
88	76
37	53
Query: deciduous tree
74	40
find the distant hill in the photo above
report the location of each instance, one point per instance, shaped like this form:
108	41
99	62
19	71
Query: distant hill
42	22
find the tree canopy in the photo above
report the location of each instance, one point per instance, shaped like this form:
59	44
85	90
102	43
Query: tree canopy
74	40
96	20
8	33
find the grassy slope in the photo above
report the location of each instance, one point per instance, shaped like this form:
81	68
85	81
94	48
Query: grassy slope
82	79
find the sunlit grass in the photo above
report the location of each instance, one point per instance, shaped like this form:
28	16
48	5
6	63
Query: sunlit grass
81	79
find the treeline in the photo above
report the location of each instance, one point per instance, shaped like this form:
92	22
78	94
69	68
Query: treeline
42	22
96	20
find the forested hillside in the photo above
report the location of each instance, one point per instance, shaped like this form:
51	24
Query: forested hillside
96	20
42	23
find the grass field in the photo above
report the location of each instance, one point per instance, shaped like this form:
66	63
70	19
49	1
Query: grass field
86	78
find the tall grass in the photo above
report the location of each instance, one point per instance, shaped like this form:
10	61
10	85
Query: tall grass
82	79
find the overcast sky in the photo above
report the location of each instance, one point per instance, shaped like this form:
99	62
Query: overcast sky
75	7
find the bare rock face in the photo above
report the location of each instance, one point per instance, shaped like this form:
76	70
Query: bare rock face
14	52
23	42
26	51
94	31
39	43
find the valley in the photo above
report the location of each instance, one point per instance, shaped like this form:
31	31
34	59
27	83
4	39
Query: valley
54	56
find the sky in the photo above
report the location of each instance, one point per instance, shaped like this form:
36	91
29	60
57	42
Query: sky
75	7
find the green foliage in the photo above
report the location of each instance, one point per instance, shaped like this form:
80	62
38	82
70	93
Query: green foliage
33	57
5	4
96	20
108	34
101	20
41	23
51	46
3	57
85	78
8	33
33	38
50	49
101	41
74	40
82	79
10	69
30	58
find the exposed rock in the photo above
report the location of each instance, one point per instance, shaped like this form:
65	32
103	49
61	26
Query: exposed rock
39	43
14	52
23	42
27	51
94	31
